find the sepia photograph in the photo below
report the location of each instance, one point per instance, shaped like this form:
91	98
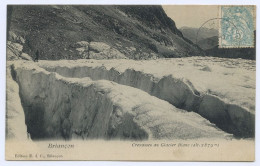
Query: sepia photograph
130	82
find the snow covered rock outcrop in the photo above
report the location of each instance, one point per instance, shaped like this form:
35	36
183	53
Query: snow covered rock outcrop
15	38
97	50
62	107
221	90
14	52
100	50
14	47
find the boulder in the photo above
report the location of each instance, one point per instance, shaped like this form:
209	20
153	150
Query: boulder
97	50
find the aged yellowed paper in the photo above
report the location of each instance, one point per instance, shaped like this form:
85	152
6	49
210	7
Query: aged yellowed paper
131	82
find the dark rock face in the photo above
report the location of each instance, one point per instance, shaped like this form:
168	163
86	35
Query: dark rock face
192	33
244	53
138	32
207	39
208	43
204	37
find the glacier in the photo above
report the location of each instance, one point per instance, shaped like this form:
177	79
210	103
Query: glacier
219	89
58	107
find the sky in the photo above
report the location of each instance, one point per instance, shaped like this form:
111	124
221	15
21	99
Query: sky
191	16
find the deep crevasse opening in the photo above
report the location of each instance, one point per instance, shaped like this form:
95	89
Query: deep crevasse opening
66	108
181	93
60	109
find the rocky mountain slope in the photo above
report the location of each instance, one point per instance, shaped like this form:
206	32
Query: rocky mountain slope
208	43
201	36
136	32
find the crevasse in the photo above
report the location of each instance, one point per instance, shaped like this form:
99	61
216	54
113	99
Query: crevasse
181	93
80	108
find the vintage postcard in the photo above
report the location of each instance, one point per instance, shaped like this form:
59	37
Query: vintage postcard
130	82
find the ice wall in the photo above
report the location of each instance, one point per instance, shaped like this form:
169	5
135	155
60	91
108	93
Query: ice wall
15	118
180	92
80	108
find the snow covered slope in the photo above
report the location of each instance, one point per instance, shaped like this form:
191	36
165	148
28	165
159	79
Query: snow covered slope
63	107
221	90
